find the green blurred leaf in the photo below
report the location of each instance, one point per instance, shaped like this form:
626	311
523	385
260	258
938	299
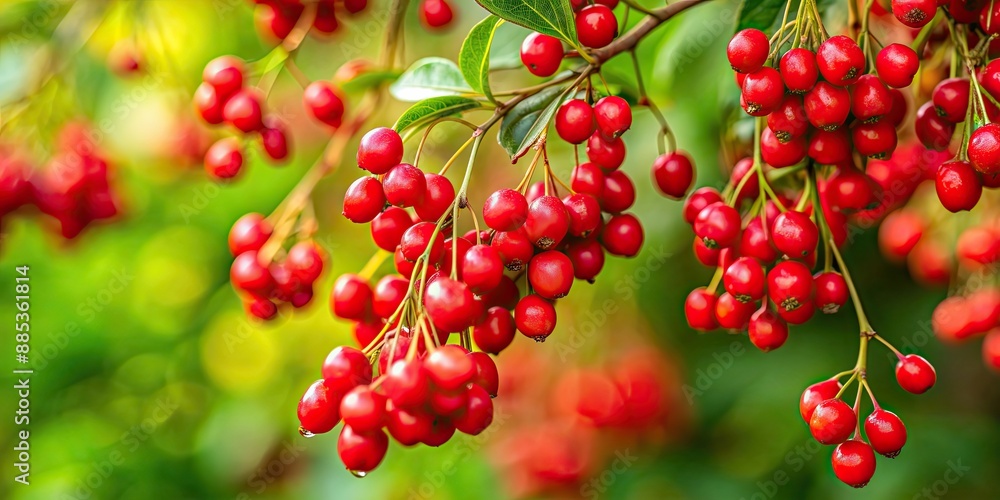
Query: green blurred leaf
474	58
759	14
551	17
275	58
429	77
365	81
424	112
526	121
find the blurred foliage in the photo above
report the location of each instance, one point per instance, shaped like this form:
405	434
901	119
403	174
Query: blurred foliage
150	382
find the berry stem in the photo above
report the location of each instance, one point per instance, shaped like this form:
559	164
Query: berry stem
890	346
373	264
666	134
427	134
866	327
871	395
454	157
863	38
461	199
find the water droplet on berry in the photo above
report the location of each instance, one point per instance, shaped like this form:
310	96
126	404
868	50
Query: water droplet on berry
305	433
357	473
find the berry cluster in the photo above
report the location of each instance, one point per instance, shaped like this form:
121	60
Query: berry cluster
74	187
275	19
223	97
596	27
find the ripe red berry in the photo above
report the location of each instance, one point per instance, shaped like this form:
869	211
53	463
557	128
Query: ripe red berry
745	279
305	260
208	104
388	227
541	54
588	178
763	92
406	383
224	159
244	110
437	199
605	153
505	210
799	70
324	103
587	257
933	131
789	120
404	185
748	50
364	200
515	248
989	18
547	222
951	99
896	65
405	426
575	121
991	349
767	331
225	74
380	150
915	374
699	310
622	235
478	412
827	106
346	368
495	332
482	268
249	274
319	409
830	147
790	285
351	298
550	274
361	452
989	78
535	317
699	199
756	242
584	214
875	140
673	174
958	185
436	14
417	239
831	291
249	232
816	394
781	154
718	225
618	194
596	26
363	409
984	149
870	99
832	422
854	463
733	314
613	115
274	138
794	234
885	432
451	305
914	13
449	367
840	60
388	295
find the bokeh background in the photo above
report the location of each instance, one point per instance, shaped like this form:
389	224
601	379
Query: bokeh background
151	383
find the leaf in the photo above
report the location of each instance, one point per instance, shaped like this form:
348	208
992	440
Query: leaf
506	50
275	58
424	112
367	80
474	58
429	77
526	121
551	17
759	14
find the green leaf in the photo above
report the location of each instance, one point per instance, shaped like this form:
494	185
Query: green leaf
367	80
526	121
424	112
474	58
429	77
760	14
551	17
506	50
275	58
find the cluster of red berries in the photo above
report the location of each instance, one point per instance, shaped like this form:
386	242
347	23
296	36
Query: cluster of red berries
275	19
74	187
422	399
222	97
832	421
596	27
266	283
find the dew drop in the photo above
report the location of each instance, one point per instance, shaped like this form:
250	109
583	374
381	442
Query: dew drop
305	433
357	473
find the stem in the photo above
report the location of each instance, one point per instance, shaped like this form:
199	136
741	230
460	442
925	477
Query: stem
461	199
866	327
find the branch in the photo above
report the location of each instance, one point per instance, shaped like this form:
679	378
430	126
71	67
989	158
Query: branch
631	38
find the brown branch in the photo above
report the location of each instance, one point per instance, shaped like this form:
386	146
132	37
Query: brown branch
631	38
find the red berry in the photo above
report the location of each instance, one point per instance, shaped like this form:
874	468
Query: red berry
406	383
575	121
514	247
451	306
748	50
613	115
831	291
535	317
449	367
840	60
622	235
505	210
899	233
799	70
885	432
767	330
380	150
550	274
984	149
249	232
850	190
699	199
991	349
388	295
933	131
584	214
854	463
208	104
436	13
363	409
794	234
789	120
827	106
225	74
588	178
914	374
224	159
346	368
745	279
437	198
832	422
361	452
733	314
305	259
482	268
248	274
781	154
486	375
596	26
404	185
618	194
364	200
244	111
718	225
816	394
407	427
442	429
319	409
790	285
756	242
989	78
274	137
870	99
830	147
958	185
541	54
388	227
914	13
897	64
699	310
547	222
875	140
351	298
325	21
608	154
951	99
587	257
417	239
477	414
324	103
494	333
763	92
673	174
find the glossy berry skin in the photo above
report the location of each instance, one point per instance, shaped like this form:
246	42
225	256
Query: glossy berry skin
832	422
915	374
541	54
827	106
449	367
747	51
951	99
673	174
224	159
896	65
505	210
699	199
763	92
840	61
318	409
885	432
388	227
361	452
799	70
596	26
274	138
933	131
831	292
984	149
363	409
854	463
535	317
622	235
605	153
790	285
514	247
244	111
547	222
789	120
437	197
875	140
870	99
494	333
767	330
477	414
756	243
305	259
380	150
364	200
248	274
914	13
550	274
451	305
613	115
388	294
830	147
416	240
482	268
407	383
346	368
958	185
575	121
745	279
436	14
699	310
794	234
584	214
816	394
587	257
781	154
733	314
323	102
990	78
225	74
404	185
208	104
249	232
405	426
718	225
618	194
